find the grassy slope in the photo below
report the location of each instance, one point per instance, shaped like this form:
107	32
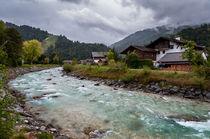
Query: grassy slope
50	41
181	79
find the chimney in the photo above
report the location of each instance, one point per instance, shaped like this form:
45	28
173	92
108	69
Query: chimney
178	38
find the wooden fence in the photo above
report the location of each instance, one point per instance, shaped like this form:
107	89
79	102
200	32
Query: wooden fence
187	68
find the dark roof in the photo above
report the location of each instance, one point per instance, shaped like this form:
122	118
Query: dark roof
67	61
173	40
99	54
172	57
141	48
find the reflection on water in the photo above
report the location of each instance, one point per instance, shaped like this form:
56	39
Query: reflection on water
77	104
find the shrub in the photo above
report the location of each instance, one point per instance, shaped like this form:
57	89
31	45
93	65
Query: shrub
145	75
46	60
202	71
44	136
8	119
20	136
56	59
127	78
74	61
117	67
68	67
132	60
146	62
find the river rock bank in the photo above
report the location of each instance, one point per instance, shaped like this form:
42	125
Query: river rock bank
161	88
31	124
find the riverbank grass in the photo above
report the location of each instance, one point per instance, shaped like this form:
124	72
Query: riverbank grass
144	76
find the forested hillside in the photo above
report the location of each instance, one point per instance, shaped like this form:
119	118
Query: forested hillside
144	37
29	33
58	45
67	49
201	35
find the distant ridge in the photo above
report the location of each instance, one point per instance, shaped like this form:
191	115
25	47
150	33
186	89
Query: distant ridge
141	38
58	45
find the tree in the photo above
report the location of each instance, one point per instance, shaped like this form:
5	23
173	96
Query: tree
46	60
56	59
110	55
132	60
192	55
31	51
116	55
13	47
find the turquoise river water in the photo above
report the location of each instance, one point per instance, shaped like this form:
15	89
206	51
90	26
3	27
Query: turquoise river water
76	104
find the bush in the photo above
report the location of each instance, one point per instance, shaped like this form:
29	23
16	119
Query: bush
44	136
74	61
202	71
68	67
117	67
8	119
146	62
145	75
132	60
46	60
20	136
127	78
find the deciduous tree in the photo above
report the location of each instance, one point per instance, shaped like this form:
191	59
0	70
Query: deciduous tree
31	51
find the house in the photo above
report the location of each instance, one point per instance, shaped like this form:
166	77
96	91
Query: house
67	62
87	62
99	56
102	62
165	53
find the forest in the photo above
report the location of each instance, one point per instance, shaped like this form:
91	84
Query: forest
65	49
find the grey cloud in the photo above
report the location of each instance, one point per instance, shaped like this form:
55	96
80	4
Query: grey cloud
75	1
102	24
179	12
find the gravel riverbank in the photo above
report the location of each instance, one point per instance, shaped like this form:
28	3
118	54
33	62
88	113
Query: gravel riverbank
152	87
32	125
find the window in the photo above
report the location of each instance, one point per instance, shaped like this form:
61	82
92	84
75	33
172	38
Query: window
177	47
158	52
163	51
172	46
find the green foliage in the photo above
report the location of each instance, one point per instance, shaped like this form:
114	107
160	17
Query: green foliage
203	70
67	49
200	35
10	46
132	60
68	67
146	62
31	51
44	136
8	117
29	33
20	136
192	55
110	55
49	42
127	78
56	60
74	61
117	66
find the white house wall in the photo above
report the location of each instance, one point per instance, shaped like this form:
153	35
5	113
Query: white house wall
176	48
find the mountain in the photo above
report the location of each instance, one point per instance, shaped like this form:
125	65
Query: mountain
67	49
29	33
144	37
200	35
58	45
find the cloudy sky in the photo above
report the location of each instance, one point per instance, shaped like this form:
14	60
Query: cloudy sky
105	21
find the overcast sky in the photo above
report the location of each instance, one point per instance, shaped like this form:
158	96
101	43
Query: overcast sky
104	21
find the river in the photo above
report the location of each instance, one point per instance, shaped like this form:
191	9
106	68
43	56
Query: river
76	104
